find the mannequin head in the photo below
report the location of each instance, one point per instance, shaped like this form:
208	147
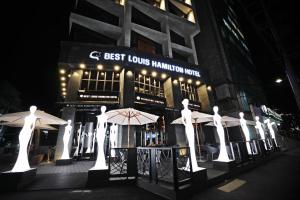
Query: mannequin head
215	109
185	103
32	109
241	115
103	109
69	122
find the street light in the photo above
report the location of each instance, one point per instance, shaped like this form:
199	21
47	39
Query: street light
278	80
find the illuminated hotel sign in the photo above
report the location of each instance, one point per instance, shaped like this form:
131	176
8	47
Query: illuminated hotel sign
142	60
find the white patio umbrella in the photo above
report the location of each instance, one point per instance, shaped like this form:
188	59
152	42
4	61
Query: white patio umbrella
130	116
231	122
197	117
40	126
42	118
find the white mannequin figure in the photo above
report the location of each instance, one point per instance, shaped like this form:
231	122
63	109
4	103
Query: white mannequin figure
22	163
186	116
78	140
100	136
113	138
223	155
245	131
83	135
261	132
90	139
66	138
271	130
94	139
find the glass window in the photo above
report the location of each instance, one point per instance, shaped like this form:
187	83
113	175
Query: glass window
189	91
93	80
149	85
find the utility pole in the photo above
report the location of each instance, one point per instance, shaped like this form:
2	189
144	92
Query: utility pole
291	75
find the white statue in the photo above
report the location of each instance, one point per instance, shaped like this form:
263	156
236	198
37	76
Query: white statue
82	140
223	155
94	139
113	138
22	163
271	130
245	131
90	138
78	140
261	132
100	136
186	116
66	139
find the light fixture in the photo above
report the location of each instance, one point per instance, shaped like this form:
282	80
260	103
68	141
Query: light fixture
190	81
64	93
129	73
181	79
209	88
82	66
86	73
63	78
278	80
99	67
63	84
144	72
154	74
102	73
175	82
163	76
116	67
69	75
117	75
198	82
63	89
62	71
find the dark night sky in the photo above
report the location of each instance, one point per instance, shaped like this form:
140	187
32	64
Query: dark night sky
33	30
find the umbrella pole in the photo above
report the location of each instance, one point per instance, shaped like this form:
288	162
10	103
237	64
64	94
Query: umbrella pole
197	136
128	131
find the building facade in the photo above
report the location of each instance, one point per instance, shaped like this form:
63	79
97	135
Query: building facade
223	52
132	53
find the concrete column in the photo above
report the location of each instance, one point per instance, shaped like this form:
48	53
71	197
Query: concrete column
166	45
126	33
127	94
204	99
68	112
189	41
127	97
174	133
74	85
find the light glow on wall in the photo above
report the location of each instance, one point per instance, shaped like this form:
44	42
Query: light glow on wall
62	71
99	67
82	66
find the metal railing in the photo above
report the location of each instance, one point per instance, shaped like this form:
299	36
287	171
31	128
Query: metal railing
122	162
165	165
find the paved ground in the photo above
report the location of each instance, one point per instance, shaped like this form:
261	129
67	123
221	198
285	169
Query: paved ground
277	179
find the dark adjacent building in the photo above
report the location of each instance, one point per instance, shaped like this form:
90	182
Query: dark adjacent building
223	51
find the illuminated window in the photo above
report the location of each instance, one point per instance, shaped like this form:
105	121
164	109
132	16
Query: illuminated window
149	85
189	91
95	80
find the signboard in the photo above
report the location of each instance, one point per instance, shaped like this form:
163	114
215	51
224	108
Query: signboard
76	53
